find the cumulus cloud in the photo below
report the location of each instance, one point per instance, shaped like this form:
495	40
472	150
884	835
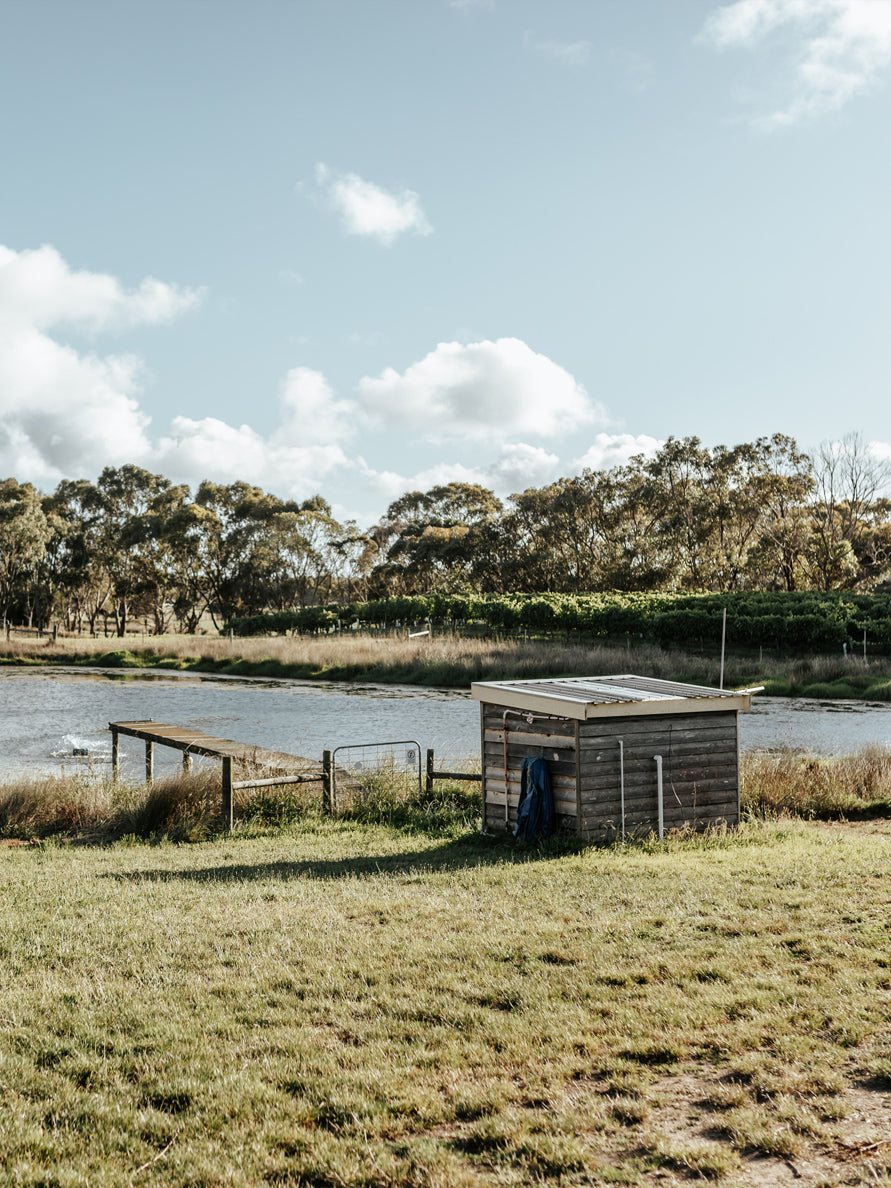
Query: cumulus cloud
370	210
210	448
480	390
614	449
841	47
311	413
517	467
390	484
521	466
38	291
61	408
67	413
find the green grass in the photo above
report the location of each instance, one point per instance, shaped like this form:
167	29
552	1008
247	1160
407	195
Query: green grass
342	1003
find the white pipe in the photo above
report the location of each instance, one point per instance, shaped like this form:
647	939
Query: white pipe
658	759
622	783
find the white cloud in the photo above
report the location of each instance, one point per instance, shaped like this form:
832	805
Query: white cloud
312	415
39	290
211	449
518	467
369	210
570	53
389	484
61	410
614	449
480	390
65	413
521	466
841	47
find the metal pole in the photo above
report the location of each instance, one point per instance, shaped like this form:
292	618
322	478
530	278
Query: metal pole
227	791
327	783
723	640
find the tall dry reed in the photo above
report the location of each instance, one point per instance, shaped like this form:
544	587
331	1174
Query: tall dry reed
787	783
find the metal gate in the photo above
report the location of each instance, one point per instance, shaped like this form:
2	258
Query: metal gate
355	761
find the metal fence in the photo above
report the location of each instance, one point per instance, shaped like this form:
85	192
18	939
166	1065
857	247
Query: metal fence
352	764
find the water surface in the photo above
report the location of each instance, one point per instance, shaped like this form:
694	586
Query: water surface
50	712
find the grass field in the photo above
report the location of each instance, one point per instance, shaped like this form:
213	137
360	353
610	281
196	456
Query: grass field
342	1003
454	661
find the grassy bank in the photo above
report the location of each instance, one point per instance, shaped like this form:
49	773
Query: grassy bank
453	661
186	807
343	1004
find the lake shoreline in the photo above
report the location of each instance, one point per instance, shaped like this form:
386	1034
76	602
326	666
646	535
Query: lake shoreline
450	662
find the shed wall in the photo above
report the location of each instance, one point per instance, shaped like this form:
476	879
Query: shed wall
555	739
700	773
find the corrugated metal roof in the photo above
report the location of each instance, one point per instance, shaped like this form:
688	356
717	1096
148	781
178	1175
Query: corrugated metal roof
584	697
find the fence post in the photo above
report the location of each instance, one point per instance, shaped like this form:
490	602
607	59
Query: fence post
327	782
227	791
429	784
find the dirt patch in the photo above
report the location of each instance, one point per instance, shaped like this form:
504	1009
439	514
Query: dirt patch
856	1148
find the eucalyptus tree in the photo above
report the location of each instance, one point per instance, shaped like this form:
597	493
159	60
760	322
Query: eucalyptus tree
24	534
120	508
849	481
428	539
82	581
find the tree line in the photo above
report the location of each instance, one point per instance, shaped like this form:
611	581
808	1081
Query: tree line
760	516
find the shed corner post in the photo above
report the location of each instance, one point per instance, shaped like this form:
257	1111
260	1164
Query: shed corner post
327	782
227	792
578	778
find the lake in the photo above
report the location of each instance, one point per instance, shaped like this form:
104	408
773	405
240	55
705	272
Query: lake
48	712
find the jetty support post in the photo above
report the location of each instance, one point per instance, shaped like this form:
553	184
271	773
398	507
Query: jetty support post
327	783
187	762
149	763
428	786
227	792
114	754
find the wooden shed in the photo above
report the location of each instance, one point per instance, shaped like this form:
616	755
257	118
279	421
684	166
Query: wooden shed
627	755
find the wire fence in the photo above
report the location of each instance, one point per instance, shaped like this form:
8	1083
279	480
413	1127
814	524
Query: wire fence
354	764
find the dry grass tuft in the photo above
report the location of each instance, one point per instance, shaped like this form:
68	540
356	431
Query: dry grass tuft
787	783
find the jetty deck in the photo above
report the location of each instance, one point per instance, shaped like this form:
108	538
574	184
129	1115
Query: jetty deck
195	742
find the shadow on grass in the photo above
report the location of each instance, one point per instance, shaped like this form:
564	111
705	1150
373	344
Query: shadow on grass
455	854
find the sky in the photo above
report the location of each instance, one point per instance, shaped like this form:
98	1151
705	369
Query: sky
360	247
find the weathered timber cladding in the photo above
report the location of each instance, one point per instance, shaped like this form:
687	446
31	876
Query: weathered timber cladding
700	772
552	738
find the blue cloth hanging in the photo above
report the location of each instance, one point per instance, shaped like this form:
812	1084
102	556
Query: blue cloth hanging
535	812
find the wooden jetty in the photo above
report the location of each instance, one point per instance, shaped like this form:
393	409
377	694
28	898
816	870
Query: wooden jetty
195	742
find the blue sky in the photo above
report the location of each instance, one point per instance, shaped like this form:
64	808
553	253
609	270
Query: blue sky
357	247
